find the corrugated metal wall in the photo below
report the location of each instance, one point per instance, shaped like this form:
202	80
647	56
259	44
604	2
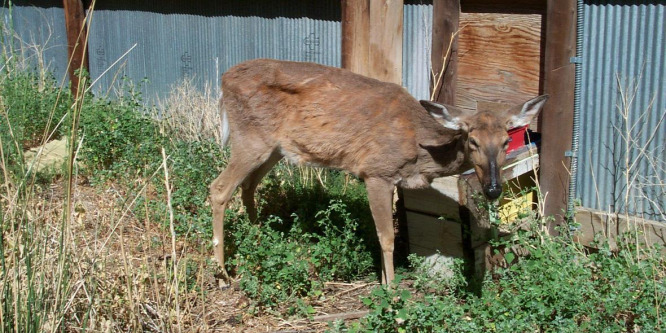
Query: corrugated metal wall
416	45
165	41
624	71
173	40
37	34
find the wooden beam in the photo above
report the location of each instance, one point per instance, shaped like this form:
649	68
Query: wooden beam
608	227
386	25
445	21
372	38
557	115
355	35
342	316
77	40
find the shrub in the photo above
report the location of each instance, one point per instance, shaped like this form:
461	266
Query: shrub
306	191
338	252
557	288
277	266
192	167
33	106
118	137
30	109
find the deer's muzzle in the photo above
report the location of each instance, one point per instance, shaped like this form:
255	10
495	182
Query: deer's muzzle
493	189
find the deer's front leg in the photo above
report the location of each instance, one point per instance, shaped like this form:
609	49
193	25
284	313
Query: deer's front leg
380	195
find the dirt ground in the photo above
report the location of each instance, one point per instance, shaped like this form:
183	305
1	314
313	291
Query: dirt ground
132	259
141	251
129	260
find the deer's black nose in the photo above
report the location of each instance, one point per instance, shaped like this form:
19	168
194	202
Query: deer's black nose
493	191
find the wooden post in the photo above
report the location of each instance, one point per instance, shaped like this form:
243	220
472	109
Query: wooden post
77	41
355	32
372	38
445	21
557	115
372	46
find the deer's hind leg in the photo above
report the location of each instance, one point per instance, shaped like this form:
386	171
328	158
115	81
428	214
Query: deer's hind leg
251	182
242	164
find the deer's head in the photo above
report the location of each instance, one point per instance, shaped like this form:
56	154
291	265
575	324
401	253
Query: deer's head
485	137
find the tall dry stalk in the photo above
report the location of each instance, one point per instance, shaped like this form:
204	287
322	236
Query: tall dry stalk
438	77
636	139
172	230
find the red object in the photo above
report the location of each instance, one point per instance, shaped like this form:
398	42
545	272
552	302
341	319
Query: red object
517	136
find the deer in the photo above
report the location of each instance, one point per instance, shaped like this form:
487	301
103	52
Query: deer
330	117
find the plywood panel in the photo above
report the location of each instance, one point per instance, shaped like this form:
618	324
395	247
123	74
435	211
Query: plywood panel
440	199
429	235
430	201
499	58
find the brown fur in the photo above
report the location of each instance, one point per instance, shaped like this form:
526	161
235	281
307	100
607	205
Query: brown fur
330	117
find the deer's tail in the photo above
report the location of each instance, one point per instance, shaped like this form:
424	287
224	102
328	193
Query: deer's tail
224	123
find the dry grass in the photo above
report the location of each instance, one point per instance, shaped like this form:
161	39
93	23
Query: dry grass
190	112
102	269
122	274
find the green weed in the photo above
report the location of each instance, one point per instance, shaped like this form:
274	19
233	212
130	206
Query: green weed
277	266
558	287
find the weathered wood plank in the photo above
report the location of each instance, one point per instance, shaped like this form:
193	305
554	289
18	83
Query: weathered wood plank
355	34
499	58
432	202
445	23
557	114
344	315
385	40
440	199
372	38
610	226
428	235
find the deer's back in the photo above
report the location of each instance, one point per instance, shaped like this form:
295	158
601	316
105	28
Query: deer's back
324	115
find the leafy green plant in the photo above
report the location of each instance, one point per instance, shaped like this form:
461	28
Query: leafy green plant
193	167
118	137
274	267
34	106
338	252
558	287
30	109
280	266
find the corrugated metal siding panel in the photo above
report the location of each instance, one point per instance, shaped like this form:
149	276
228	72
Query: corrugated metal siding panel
207	40
417	37
37	30
624	46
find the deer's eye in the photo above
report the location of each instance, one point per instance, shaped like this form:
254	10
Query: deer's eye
473	144
506	143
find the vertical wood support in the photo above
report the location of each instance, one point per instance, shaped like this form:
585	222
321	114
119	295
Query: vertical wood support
557	115
445	21
77	40
372	46
372	38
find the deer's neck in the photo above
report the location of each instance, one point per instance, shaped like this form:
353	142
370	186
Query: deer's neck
438	161
446	160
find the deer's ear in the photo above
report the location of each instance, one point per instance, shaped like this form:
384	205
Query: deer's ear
522	114
448	116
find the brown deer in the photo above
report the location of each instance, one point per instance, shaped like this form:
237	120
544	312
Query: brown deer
325	116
